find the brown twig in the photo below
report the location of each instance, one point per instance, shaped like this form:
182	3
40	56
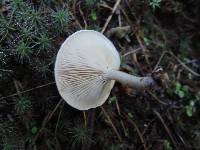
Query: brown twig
117	106
156	98
144	50
136	63
111	123
159	60
37	87
184	65
132	51
83	17
76	21
105	6
148	125
110	17
91	117
126	16
137	36
85	118
166	128
138	132
17	86
61	109
179	61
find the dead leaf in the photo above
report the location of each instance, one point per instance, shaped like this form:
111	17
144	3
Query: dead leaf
119	32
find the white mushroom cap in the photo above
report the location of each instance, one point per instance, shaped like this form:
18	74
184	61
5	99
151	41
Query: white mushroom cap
80	68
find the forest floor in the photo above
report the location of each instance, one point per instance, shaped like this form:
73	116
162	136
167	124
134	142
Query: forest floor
147	33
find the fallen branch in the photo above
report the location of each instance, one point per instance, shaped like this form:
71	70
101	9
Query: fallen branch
25	91
110	17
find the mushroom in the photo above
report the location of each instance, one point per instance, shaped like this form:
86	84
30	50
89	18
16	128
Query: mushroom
86	68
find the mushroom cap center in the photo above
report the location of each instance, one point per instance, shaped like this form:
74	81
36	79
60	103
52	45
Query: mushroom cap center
81	64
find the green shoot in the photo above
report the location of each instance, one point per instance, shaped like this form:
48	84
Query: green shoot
17	3
112	99
154	3
43	41
190	109
61	19
93	15
181	90
167	145
23	51
34	130
80	135
22	105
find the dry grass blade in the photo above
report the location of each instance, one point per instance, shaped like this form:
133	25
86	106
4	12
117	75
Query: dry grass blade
132	52
160	59
5	70
85	118
184	66
113	126
110	17
166	128
83	17
144	50
138	132
25	91
156	98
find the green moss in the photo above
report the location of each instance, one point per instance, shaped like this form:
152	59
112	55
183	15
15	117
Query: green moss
22	104
23	51
61	20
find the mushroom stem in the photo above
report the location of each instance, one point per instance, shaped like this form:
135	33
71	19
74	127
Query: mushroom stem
130	80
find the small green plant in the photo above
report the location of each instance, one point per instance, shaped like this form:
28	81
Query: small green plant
42	67
130	114
61	19
144	33
22	105
23	51
43	41
197	96
28	17
167	145
112	99
35	17
17	3
93	15
146	41
181	90
190	109
154	3
26	33
34	130
6	27
80	135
